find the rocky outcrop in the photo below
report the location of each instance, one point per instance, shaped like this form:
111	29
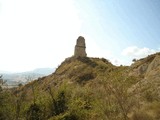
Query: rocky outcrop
147	71
138	70
146	67
80	48
154	68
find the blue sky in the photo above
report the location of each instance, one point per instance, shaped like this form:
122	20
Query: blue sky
127	28
119	24
40	33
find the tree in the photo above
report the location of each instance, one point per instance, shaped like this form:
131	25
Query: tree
2	81
19	99
134	60
29	79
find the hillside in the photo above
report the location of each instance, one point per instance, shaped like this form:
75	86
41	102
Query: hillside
81	71
85	88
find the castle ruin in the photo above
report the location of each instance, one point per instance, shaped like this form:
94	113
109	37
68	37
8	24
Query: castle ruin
80	48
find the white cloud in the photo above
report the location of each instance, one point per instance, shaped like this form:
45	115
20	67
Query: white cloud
136	52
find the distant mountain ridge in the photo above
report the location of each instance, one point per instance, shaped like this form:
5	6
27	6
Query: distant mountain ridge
44	71
12	78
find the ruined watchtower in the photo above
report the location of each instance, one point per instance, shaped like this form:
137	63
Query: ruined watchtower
80	48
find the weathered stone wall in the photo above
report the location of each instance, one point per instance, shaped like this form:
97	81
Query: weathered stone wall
80	48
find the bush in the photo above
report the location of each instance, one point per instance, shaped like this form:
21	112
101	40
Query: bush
85	77
58	104
151	95
1	89
88	61
66	116
105	60
34	112
6	106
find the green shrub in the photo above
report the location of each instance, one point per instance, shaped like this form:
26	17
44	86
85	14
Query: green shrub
87	61
85	77
7	108
58	104
34	112
67	116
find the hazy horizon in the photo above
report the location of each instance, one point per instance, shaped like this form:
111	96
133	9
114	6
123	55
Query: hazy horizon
32	70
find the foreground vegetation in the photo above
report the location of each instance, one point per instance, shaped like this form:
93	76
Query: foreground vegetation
82	89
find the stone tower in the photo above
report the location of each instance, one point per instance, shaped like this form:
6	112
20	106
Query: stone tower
80	48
